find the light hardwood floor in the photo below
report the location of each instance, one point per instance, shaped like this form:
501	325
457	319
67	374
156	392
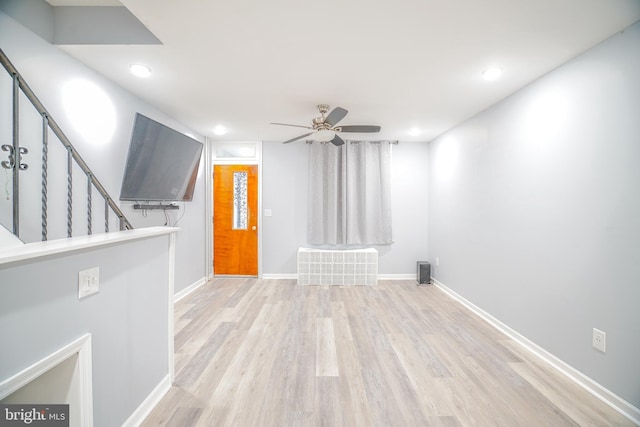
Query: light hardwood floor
270	353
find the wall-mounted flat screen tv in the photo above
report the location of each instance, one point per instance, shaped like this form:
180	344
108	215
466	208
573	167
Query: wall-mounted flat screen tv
162	164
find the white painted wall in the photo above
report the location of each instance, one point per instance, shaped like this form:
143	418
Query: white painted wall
103	144
127	319
284	183
534	211
284	192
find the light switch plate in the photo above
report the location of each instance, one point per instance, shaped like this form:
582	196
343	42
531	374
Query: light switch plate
88	282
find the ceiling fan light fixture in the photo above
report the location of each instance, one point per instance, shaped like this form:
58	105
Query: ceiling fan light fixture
492	74
323	135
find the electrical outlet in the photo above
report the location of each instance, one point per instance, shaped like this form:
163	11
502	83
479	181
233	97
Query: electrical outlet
437	262
88	282
599	340
267	212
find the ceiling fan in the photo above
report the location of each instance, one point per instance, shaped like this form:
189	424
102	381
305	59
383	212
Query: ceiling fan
324	128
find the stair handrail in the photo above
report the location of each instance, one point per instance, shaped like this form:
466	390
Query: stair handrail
48	121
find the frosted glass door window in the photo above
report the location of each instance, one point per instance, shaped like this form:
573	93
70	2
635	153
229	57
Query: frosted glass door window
240	211
235	150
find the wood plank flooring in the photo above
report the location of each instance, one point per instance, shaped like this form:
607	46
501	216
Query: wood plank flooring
255	352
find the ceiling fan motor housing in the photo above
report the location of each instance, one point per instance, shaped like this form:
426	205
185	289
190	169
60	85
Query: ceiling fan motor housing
318	123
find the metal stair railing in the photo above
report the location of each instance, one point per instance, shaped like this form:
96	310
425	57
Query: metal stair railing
15	163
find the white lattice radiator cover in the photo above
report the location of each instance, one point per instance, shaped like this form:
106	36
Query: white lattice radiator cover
337	267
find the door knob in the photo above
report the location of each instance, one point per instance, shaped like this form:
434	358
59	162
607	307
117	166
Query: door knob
253	228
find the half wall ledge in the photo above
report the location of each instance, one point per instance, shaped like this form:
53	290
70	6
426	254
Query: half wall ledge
52	247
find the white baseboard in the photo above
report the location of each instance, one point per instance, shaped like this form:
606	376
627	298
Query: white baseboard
145	408
616	402
186	291
410	276
280	276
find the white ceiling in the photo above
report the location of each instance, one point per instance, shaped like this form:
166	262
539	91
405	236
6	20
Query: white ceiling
398	64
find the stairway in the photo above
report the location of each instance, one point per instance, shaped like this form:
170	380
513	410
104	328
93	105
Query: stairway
45	185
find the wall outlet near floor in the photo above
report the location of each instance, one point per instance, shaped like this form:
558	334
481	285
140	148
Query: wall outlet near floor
437	262
599	340
88	282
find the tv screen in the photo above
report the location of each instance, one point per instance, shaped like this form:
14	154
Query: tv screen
162	164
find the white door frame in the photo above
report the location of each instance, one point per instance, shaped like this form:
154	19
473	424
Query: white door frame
230	153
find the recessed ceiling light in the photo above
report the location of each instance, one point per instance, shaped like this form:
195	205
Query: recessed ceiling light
220	130
140	70
491	74
414	132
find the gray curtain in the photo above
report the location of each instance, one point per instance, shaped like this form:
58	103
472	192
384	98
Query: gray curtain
350	193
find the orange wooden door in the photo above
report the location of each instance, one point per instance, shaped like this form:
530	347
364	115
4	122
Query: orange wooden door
235	220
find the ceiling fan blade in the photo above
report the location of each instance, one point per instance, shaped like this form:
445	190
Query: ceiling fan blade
297	138
358	128
335	116
337	141
287	124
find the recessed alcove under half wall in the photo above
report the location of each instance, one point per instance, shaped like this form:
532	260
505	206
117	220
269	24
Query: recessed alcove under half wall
61	378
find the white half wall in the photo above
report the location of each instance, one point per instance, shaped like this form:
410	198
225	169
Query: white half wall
128	319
